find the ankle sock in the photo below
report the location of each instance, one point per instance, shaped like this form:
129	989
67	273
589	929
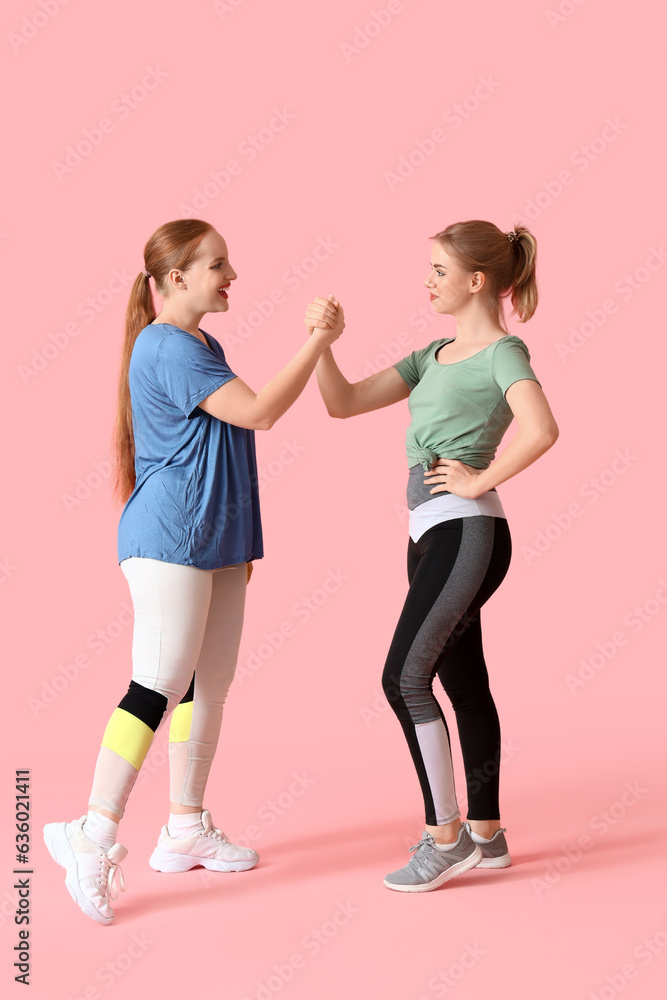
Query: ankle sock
101	830
184	824
448	847
480	840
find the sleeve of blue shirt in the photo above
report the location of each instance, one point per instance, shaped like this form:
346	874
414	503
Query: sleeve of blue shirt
511	362
189	372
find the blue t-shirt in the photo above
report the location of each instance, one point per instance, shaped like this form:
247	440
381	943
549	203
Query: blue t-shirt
196	498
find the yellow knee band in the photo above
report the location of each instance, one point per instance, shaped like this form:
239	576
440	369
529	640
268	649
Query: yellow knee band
127	736
181	722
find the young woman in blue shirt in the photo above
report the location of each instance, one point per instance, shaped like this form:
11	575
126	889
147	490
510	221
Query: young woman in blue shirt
187	538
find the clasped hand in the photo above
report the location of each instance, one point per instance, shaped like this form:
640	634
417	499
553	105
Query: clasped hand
327	316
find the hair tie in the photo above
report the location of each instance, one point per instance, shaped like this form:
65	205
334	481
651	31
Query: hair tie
144	271
512	237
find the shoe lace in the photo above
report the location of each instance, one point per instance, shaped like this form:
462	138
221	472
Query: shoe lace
419	858
215	833
427	841
420	862
111	879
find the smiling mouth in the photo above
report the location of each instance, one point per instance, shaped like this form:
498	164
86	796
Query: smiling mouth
222	292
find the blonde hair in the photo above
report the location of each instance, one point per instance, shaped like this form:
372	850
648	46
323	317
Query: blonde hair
508	266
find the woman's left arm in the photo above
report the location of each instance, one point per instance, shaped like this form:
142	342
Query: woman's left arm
537	432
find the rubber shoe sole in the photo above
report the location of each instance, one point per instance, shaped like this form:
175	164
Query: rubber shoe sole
502	862
60	849
458	869
490	857
167	861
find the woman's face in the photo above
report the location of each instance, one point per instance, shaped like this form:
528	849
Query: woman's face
449	286
206	282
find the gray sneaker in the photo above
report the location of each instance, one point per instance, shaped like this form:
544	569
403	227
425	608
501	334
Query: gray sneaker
495	853
430	867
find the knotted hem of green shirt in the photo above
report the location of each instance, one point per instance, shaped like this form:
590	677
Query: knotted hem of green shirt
426	456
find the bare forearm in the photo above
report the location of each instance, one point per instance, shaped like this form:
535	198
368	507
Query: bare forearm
276	397
335	389
524	449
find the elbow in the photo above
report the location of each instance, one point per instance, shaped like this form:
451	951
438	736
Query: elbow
341	409
263	418
540	439
334	408
545	434
338	414
548	438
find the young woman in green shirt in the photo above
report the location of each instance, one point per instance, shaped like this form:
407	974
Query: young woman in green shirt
463	393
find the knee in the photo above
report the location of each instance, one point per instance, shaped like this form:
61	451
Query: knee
164	698
132	725
184	697
391	686
143	703
463	699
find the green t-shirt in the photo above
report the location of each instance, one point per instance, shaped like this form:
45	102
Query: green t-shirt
459	410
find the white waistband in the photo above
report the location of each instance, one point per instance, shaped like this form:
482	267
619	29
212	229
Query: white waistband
448	506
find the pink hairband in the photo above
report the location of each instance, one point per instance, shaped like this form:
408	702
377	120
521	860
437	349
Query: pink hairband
144	271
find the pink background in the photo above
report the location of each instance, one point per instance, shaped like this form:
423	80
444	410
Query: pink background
585	596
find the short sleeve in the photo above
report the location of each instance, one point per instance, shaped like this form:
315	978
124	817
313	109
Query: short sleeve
189	372
410	368
511	362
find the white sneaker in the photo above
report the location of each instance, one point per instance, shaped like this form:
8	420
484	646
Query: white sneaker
208	847
94	876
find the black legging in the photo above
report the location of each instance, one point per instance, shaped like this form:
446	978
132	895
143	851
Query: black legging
453	569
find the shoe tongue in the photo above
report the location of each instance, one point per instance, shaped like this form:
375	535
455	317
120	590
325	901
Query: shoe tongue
117	853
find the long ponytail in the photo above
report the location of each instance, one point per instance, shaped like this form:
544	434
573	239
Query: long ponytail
508	265
173	245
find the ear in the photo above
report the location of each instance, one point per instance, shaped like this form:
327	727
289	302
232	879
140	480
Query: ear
478	280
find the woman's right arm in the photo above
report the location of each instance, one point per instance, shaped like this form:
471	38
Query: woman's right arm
236	403
348	399
343	398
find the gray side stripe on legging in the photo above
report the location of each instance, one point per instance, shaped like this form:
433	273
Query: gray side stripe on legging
468	572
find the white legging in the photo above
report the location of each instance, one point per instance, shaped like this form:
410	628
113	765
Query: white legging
186	621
